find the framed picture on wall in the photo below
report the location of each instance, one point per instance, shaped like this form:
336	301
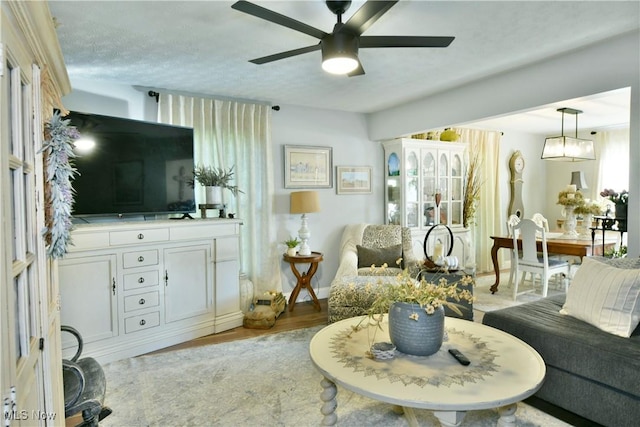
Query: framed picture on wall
353	179
307	167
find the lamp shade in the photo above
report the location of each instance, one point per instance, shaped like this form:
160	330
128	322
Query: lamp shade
577	179
304	202
568	149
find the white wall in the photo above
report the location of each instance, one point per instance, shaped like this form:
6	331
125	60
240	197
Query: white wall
346	134
534	197
111	99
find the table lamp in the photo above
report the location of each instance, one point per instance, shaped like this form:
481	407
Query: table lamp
577	179
304	202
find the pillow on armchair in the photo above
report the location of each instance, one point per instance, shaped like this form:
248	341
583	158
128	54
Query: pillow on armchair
375	236
389	255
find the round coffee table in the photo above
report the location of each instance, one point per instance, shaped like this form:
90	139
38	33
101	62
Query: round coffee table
503	371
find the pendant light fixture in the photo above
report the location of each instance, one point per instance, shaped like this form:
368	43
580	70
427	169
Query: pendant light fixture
567	148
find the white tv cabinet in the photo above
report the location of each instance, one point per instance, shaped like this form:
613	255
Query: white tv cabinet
135	287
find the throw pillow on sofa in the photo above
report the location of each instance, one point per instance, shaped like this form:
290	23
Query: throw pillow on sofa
379	256
605	296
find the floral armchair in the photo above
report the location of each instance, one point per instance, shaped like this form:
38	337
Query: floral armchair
362	246
356	285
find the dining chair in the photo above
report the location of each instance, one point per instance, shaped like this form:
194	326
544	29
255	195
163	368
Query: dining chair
511	221
528	259
540	221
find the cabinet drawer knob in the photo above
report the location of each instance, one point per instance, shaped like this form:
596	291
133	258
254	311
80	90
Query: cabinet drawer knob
142	301
141	280
143	322
140	236
140	258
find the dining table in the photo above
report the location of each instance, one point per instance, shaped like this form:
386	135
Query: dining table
556	244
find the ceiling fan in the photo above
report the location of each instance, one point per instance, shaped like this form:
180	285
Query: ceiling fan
340	47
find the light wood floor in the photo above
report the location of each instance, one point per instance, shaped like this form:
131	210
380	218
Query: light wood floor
304	315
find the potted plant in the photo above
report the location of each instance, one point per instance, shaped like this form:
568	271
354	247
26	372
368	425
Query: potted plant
471	190
214	180
621	201
292	245
416	311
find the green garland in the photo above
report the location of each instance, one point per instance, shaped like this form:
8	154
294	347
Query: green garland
58	149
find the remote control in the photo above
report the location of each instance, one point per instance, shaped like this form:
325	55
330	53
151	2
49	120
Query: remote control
459	356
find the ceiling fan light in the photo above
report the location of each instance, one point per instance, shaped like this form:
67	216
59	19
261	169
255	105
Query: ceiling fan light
339	64
340	53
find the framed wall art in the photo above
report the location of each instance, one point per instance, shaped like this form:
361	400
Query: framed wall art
307	167
353	179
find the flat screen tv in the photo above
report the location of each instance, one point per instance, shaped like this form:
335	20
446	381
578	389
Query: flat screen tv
128	167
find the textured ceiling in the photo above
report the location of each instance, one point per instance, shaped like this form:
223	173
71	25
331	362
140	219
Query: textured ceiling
204	46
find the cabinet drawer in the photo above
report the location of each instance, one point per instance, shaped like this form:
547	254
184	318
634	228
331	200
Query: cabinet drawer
141	322
140	301
140	258
138	236
141	280
85	241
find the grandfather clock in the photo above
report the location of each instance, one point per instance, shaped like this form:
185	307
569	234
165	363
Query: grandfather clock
516	165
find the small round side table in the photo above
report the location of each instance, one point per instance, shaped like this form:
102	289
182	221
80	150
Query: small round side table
304	278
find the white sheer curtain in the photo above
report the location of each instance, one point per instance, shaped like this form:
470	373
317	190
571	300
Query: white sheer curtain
613	160
226	134
489	217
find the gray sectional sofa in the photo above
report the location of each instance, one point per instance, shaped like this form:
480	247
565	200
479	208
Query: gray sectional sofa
591	373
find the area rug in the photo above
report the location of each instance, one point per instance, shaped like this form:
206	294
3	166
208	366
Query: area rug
263	381
486	301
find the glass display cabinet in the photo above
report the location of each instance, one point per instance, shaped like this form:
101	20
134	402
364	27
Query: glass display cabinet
425	187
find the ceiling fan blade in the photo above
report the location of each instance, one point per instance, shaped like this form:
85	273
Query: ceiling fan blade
358	71
405	41
276	18
287	54
367	15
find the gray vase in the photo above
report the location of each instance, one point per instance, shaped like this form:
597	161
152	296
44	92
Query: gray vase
421	337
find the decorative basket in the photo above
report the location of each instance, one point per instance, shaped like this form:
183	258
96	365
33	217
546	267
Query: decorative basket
383	350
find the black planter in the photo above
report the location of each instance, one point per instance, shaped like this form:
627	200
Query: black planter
621	215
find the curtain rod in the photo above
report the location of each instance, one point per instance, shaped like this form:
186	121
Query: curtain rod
155	94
